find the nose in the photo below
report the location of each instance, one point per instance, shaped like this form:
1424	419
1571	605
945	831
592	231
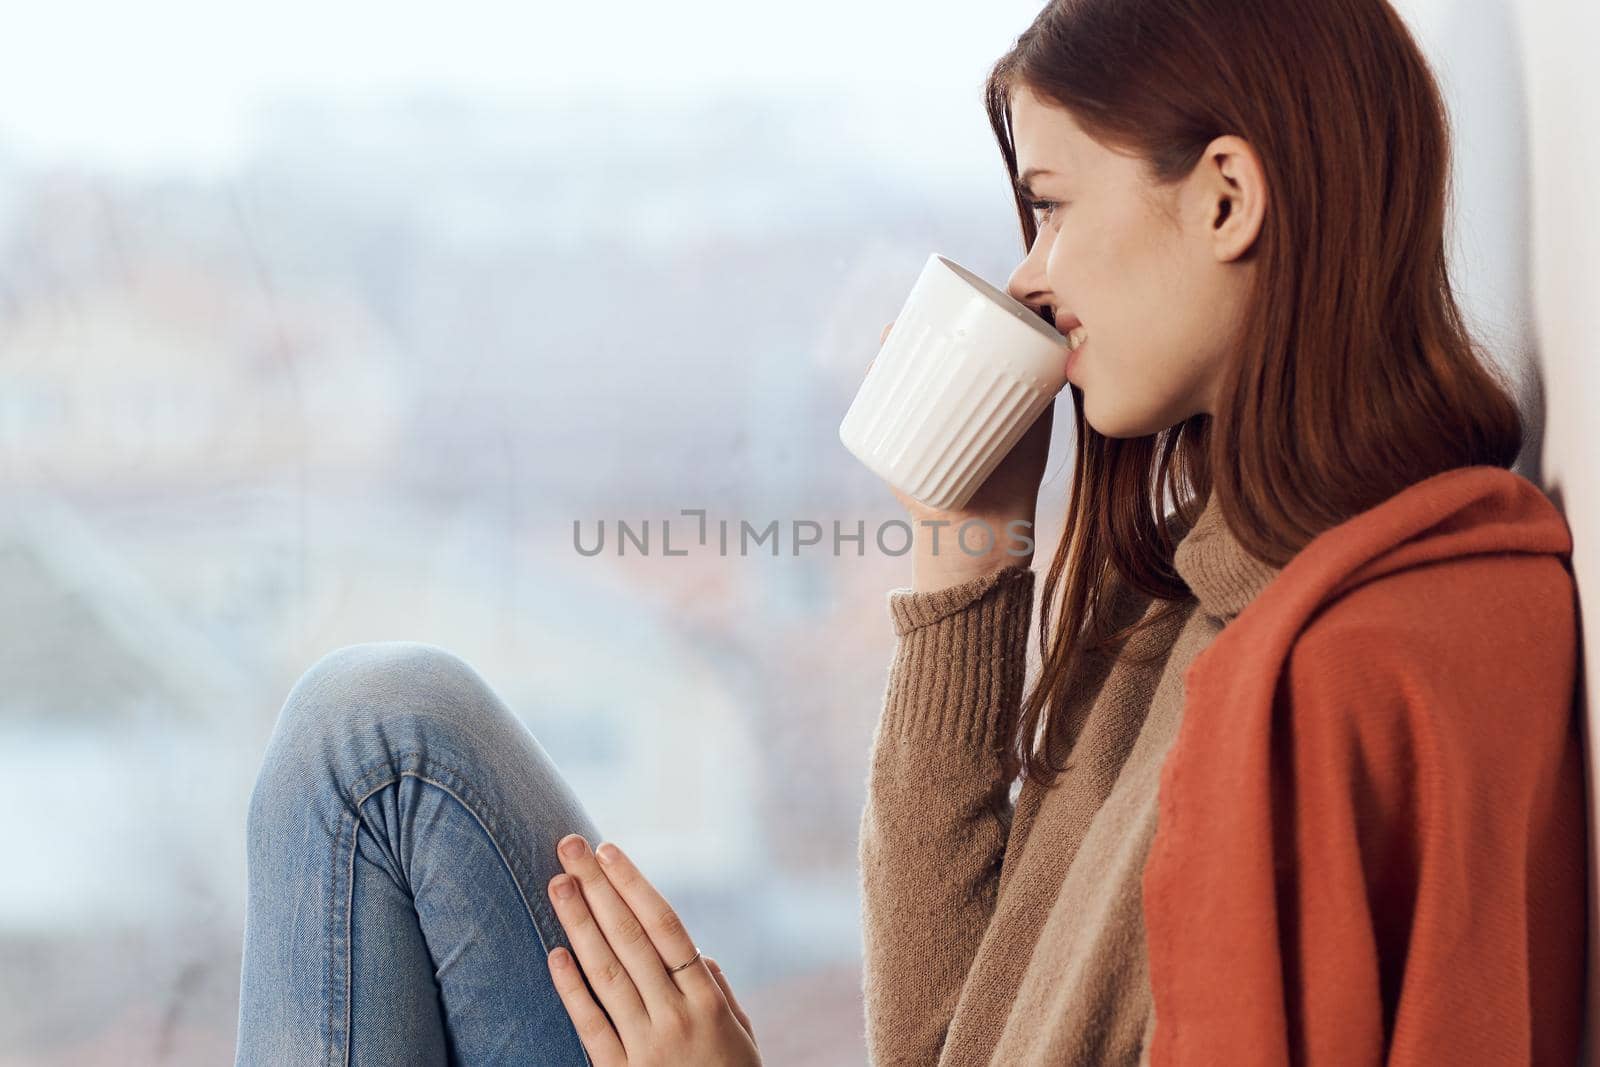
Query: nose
1027	285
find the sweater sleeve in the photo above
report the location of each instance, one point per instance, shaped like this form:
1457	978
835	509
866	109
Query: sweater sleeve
938	807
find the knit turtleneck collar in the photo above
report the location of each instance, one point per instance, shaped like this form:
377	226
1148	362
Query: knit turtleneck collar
1217	568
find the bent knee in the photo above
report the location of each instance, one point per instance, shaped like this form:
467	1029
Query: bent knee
365	708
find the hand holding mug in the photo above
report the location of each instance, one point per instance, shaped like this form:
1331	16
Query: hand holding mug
1008	494
955	414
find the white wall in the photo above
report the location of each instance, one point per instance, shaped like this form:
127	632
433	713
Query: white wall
1521	82
1559	39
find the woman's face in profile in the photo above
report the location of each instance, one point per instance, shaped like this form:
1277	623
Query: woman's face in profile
1154	273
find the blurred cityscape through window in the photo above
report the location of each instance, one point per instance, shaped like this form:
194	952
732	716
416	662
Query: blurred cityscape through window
320	328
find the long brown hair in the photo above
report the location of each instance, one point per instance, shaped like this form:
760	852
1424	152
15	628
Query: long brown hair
1355	374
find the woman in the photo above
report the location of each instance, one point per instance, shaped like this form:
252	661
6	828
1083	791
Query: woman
1300	778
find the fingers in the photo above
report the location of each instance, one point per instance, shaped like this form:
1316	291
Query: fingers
599	1040
727	991
623	923
672	943
591	931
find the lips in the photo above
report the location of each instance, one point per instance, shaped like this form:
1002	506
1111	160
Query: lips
1072	356
1070	327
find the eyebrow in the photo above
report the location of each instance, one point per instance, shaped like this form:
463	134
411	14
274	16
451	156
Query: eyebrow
1027	177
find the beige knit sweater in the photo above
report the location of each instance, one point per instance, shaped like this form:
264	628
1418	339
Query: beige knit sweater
1011	935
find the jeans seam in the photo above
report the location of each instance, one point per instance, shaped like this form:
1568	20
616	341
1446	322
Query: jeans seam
349	827
433	772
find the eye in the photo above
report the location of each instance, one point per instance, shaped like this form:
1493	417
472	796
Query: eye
1047	206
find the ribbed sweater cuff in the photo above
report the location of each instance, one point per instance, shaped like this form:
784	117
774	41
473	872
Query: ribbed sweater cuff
911	609
961	661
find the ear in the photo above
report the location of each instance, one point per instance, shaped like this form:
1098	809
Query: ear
1232	192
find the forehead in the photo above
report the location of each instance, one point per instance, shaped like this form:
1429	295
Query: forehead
1045	134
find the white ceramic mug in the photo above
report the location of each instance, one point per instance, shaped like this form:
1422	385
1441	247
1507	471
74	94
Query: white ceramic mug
965	371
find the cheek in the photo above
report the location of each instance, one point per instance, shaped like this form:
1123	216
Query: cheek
1132	293
1091	268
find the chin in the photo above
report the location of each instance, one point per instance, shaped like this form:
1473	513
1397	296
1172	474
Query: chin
1125	421
1118	431
1114	423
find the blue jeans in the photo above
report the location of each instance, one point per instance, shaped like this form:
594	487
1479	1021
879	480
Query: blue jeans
402	834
